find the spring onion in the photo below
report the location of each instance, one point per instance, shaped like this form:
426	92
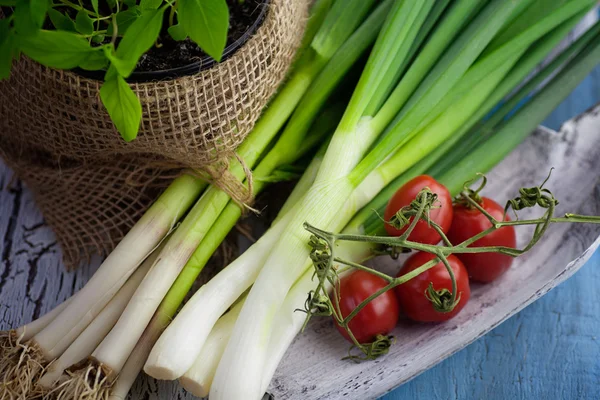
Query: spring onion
349	161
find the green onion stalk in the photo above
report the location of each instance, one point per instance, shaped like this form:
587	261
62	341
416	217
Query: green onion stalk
100	354
225	287
350	157
170	363
506	136
22	360
338	25
93	334
199	377
288	323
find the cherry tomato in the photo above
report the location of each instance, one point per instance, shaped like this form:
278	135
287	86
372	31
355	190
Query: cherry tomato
468	222
441	214
378	317
411	294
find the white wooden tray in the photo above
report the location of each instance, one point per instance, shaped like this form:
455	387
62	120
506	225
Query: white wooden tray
32	278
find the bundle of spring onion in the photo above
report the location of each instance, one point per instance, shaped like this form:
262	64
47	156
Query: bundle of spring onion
475	55
28	350
435	71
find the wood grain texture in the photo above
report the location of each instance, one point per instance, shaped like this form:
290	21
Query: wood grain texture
547	351
32	279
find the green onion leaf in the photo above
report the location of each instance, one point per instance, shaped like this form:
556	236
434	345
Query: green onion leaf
341	20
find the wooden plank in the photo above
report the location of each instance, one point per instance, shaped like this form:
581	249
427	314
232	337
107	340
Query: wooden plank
32	277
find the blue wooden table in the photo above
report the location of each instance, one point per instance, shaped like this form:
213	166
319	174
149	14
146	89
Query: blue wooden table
550	350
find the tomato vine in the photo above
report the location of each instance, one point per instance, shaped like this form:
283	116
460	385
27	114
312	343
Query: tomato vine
328	267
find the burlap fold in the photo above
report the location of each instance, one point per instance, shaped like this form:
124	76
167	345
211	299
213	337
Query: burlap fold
90	185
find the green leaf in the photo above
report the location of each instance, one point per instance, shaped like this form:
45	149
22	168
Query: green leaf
8	3
150	4
206	22
6	54
84	23
140	37
4	29
124	20
24	22
57	49
95	6
122	105
177	32
117	63
99	38
60	21
38	9
112	3
130	3
95	61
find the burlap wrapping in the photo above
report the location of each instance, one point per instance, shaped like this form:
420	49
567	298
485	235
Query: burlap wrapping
90	185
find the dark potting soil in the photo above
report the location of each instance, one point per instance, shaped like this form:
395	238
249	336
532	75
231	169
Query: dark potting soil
174	54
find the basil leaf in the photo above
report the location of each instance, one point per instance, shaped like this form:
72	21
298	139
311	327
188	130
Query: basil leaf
140	37
99	38
130	3
150	4
4	29
7	43
115	62
95	61
122	105
206	22
112	3
177	32
95	6
60	21
24	22
124	20
8	3
84	23
57	49
38	9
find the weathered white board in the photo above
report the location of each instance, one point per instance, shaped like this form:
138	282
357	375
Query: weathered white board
32	279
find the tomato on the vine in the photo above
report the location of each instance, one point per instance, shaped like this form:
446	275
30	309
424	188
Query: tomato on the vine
441	213
414	297
468	222
378	317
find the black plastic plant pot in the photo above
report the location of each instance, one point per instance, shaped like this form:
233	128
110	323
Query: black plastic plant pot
192	68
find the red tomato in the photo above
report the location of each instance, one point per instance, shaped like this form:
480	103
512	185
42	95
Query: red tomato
411	294
482	267
378	317
441	214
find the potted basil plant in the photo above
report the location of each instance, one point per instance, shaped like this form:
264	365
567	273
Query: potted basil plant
101	98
